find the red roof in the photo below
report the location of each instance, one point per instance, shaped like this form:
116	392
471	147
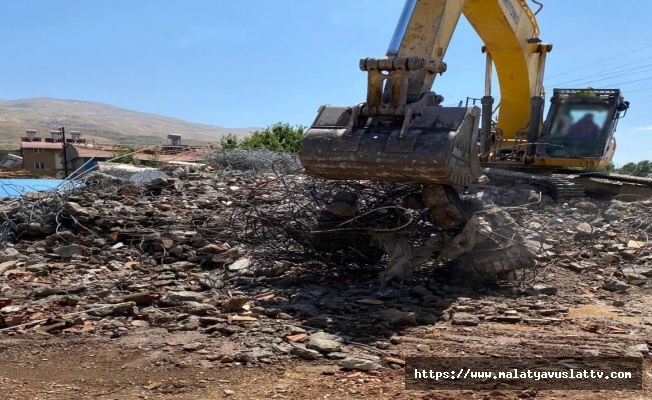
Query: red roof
41	145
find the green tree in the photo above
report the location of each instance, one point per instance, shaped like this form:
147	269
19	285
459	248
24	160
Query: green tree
628	168
124	155
608	168
641	168
281	137
229	142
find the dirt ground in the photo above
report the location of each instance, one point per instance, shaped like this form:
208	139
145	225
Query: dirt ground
80	369
151	364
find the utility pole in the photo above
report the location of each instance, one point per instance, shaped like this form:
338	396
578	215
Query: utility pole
63	147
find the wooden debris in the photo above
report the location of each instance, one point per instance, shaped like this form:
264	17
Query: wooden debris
238	318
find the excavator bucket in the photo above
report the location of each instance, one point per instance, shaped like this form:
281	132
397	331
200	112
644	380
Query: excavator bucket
439	147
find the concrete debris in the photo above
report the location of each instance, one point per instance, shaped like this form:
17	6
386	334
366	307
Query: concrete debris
307	354
137	174
465	319
398	317
257	268
541	288
615	285
642	348
324	342
367	363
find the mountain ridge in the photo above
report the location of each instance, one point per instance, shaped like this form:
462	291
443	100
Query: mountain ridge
100	122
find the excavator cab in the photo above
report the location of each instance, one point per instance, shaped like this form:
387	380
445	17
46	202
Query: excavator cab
581	124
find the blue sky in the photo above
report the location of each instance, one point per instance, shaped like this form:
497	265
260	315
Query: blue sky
251	63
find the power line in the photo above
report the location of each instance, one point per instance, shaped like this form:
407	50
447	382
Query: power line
601	61
639	90
617	67
628	82
588	81
605	73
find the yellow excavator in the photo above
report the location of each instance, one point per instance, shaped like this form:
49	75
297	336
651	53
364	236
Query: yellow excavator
403	134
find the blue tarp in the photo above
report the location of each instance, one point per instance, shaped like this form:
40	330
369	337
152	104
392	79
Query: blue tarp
18	187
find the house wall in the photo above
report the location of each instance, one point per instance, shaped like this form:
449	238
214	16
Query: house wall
48	157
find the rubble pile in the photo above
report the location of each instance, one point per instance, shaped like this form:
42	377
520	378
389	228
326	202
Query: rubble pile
282	265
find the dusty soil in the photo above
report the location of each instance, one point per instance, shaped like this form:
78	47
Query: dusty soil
152	364
65	368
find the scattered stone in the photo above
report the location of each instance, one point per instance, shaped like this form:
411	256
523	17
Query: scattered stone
9	254
209	281
306	354
140	324
362	363
398	317
541	288
240	265
642	348
324	342
173	299
608	258
140	298
8	264
612	215
510	319
110	309
423	347
615	285
465	319
305	310
586	206
235	303
633	244
71	251
10	309
195	346
583	231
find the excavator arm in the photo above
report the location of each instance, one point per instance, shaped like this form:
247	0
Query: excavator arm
509	32
401	132
510	35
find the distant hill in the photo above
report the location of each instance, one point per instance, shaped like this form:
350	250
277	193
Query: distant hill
100	122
